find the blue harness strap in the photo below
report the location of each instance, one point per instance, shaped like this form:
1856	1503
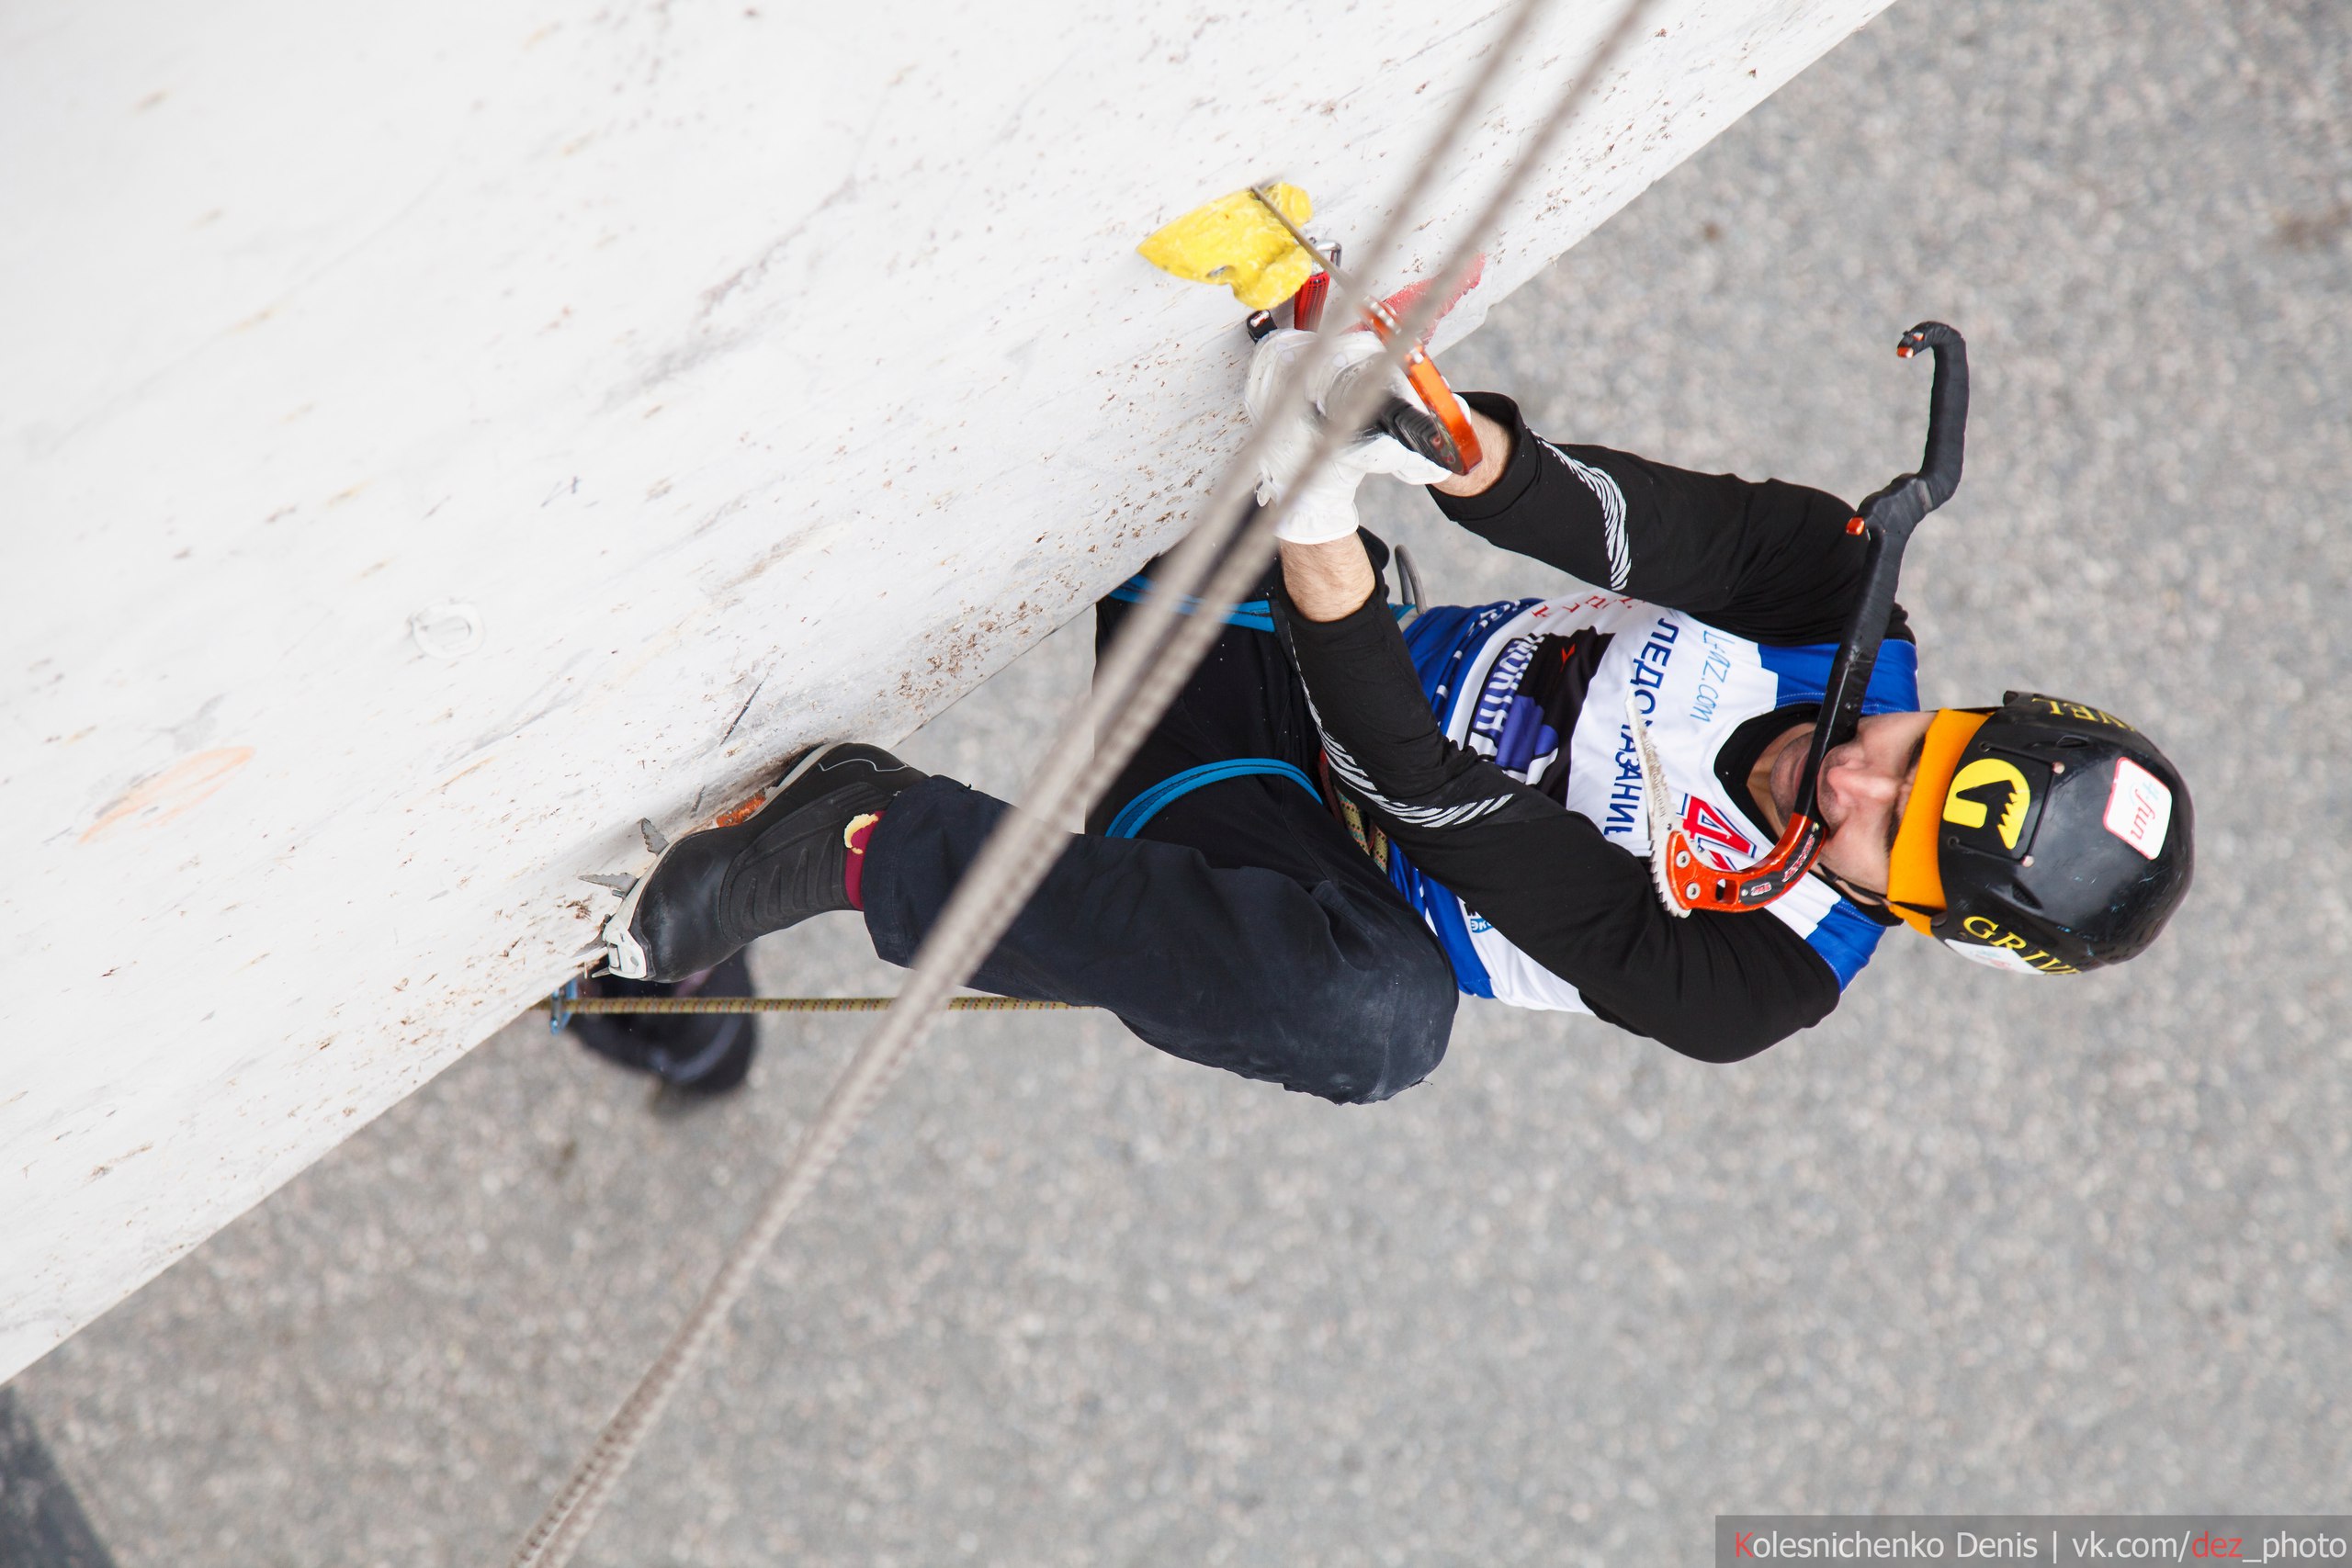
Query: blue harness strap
1252	614
1151	802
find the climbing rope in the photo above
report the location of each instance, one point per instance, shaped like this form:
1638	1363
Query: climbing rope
562	1005
1135	682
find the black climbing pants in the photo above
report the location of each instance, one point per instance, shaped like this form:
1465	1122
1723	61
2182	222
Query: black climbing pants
1243	929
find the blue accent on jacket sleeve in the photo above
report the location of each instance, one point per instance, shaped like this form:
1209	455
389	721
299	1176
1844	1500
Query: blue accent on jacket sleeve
1846	938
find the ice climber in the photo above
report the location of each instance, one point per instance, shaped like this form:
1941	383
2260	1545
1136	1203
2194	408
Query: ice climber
1345	822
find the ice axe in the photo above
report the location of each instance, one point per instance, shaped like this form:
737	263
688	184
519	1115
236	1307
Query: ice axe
1443	434
1885	520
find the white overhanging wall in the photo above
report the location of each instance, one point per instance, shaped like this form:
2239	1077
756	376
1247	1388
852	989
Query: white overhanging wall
433	437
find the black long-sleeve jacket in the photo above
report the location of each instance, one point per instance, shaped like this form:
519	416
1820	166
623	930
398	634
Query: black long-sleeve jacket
1770	563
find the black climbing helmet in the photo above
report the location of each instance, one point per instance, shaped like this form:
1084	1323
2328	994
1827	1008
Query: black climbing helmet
2044	835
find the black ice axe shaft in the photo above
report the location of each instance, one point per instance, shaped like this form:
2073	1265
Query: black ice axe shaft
1886	523
1888	519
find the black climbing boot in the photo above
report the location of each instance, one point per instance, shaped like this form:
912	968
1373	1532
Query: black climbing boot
712	892
697	1052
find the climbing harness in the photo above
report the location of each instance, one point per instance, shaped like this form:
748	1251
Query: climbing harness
1256	615
1151	802
1137	680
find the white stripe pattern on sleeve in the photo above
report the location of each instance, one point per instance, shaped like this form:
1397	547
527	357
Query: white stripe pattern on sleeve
1613	515
1351	774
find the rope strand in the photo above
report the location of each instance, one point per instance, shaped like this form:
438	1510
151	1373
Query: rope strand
785	1004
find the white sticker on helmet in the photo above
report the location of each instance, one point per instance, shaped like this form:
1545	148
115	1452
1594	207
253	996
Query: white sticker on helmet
2139	809
1991	957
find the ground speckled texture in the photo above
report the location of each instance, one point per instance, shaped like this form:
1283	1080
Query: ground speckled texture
1979	1243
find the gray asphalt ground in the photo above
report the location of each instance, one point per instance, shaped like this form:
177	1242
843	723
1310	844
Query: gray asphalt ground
1978	1242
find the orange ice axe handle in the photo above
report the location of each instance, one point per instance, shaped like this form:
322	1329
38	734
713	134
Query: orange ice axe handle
1446	439
1886	521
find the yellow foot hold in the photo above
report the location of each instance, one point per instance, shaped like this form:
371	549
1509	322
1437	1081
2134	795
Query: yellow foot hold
1236	242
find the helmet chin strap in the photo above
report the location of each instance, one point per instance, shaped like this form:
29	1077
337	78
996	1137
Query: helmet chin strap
1858	894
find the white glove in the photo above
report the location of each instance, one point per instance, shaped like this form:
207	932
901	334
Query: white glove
1325	508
